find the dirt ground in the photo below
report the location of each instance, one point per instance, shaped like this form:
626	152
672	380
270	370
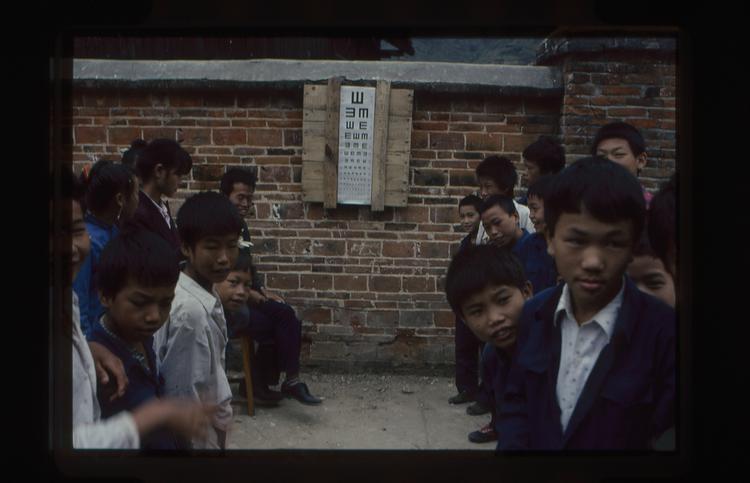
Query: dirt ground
361	411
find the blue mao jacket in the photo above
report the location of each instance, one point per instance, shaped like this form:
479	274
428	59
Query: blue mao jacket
628	399
143	386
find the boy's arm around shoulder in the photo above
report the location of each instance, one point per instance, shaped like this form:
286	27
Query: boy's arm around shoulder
183	350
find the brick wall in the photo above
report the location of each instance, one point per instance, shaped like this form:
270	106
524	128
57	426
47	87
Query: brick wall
369	286
639	89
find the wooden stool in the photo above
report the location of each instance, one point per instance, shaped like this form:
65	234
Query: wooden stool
247	351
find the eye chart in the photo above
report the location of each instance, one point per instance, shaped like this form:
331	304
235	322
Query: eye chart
356	120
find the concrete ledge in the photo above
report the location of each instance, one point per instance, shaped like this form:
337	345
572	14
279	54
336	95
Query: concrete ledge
434	76
553	47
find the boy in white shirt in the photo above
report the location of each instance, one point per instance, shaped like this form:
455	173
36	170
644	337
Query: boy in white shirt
191	345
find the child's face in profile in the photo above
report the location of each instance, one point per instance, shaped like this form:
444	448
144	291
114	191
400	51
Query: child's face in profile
469	218
649	274
618	151
501	227
591	257
212	257
79	236
536	213
168	181
532	171
242	198
137	311
493	313
488	187
234	290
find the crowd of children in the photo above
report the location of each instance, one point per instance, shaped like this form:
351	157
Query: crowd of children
577	318
564	302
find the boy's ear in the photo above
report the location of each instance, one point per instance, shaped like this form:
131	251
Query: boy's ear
120	200
550	247
105	301
186	251
527	290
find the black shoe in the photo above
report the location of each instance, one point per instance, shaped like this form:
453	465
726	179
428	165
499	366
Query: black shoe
477	409
461	398
484	435
300	392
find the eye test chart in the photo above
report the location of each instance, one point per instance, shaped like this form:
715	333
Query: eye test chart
356	120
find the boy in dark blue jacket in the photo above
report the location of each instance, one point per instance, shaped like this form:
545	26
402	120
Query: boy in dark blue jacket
487	288
595	364
137	277
467	344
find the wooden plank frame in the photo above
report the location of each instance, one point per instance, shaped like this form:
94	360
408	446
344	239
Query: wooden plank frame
391	152
379	155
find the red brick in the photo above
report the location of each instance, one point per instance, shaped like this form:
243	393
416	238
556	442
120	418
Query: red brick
621	91
483	142
360	248
134	99
474	104
643	123
229	136
465	127
583	111
316	315
447	141
413	213
150	133
316	282
124	135
195	137
385	284
444	215
433	250
666	114
293	137
329	248
248	123
284	281
276	174
91	135
265	114
208	172
582	90
217	98
430	126
504	128
419	284
264	137
444	318
350	283
398	249
440	116
516	144
626	112
418	139
213	122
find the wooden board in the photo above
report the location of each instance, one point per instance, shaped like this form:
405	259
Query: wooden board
382	104
331	155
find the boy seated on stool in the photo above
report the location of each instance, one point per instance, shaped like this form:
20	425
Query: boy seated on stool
486	286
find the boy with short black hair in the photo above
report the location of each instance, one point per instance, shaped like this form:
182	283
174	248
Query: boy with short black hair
540	269
467	345
267	317
487	288
136	278
160	166
545	156
649	273
595	364
191	345
496	175
623	144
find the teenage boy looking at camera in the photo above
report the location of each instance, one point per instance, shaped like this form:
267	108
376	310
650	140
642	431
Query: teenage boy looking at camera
595	364
486	286
191	345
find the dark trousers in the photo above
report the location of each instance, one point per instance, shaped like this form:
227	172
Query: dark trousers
275	323
467	358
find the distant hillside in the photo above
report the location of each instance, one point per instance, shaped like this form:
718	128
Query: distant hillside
518	51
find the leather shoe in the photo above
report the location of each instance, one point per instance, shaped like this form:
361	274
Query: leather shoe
461	398
477	409
300	392
484	435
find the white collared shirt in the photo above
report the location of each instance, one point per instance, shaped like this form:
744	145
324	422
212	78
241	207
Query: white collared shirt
162	207
523	221
580	348
89	430
190	348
